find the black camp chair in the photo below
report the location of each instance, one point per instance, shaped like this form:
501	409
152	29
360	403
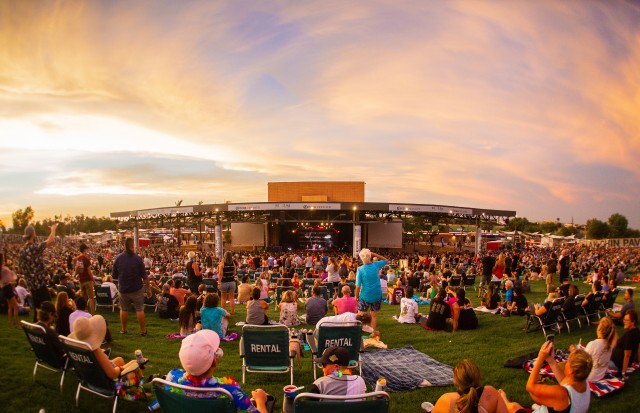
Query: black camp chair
551	318
351	285
341	334
592	309
324	292
265	349
374	402
469	281
455	281
611	299
574	313
104	298
280	291
43	348
92	377
219	400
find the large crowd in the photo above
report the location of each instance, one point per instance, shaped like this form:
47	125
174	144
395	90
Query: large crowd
55	280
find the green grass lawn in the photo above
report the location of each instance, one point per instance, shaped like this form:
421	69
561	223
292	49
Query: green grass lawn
496	340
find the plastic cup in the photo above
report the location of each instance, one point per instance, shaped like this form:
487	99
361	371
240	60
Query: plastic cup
290	391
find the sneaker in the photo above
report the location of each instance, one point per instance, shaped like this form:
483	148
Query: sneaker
123	331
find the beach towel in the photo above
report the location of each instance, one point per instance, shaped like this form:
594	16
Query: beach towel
609	383
483	309
405	369
174	335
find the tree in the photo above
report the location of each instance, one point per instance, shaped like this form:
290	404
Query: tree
518	223
618	226
22	218
597	229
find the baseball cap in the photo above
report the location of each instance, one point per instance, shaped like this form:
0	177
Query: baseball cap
198	351
334	355
28	232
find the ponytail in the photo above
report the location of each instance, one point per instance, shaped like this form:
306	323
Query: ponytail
468	402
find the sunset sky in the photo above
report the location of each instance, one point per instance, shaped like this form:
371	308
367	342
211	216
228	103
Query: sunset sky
531	106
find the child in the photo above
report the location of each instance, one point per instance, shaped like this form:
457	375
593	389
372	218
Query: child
408	308
187	317
288	309
213	317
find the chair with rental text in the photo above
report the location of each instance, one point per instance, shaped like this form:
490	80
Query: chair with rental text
44	350
265	349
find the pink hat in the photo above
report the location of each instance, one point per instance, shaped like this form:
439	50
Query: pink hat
198	351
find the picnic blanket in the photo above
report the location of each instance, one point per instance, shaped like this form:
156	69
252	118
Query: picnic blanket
484	309
609	383
405	369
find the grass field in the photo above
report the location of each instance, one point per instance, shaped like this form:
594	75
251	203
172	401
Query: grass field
496	340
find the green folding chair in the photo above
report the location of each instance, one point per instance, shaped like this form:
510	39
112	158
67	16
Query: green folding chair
104	298
172	399
280	291
338	334
90	374
265	349
374	402
46	355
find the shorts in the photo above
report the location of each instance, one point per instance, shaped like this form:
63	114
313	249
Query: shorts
133	300
228	287
365	306
87	290
7	290
485	280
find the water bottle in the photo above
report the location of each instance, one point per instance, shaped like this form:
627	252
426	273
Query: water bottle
139	357
381	384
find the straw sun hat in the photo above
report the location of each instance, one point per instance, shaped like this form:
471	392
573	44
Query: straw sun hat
90	330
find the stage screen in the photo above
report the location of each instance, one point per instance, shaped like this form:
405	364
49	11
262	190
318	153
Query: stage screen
243	233
381	235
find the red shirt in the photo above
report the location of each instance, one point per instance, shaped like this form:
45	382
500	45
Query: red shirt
83	265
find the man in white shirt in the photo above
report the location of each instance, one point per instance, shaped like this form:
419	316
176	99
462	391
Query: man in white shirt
81	307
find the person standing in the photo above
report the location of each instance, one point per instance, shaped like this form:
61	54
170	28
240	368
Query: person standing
128	269
368	284
32	265
85	276
552	270
563	265
227	282
194	275
488	262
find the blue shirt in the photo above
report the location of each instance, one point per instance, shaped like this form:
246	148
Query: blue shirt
368	279
509	296
129	270
211	319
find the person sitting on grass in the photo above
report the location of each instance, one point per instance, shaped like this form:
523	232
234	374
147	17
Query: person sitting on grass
257	309
491	299
199	355
244	290
168	305
408	308
617	317
601	349
288	307
214	317
625	351
519	306
346	303
179	292
187	317
338	379
464	318
439	312
316	306
572	394
470	396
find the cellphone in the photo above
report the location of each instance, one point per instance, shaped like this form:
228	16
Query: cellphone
551	337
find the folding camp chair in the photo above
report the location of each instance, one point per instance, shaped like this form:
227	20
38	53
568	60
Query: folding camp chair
340	334
455	281
210	285
469	281
324	292
575	312
397	295
551	318
172	398
46	355
265	349
307	282
280	291
90	374
104	298
592	309
611	299
351	285
374	402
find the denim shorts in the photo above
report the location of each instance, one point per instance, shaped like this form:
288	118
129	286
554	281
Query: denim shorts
228	287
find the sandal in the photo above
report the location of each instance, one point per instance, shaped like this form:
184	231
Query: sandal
123	331
143	333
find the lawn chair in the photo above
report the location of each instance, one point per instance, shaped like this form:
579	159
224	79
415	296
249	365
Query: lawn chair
374	402
551	318
611	299
307	282
90	374
324	292
104	298
265	349
397	295
341	334
469	281
575	312
280	291
210	285
351	285
172	401
46	355
593	309
455	281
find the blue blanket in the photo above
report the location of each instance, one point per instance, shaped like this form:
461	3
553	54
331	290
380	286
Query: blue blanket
405	369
